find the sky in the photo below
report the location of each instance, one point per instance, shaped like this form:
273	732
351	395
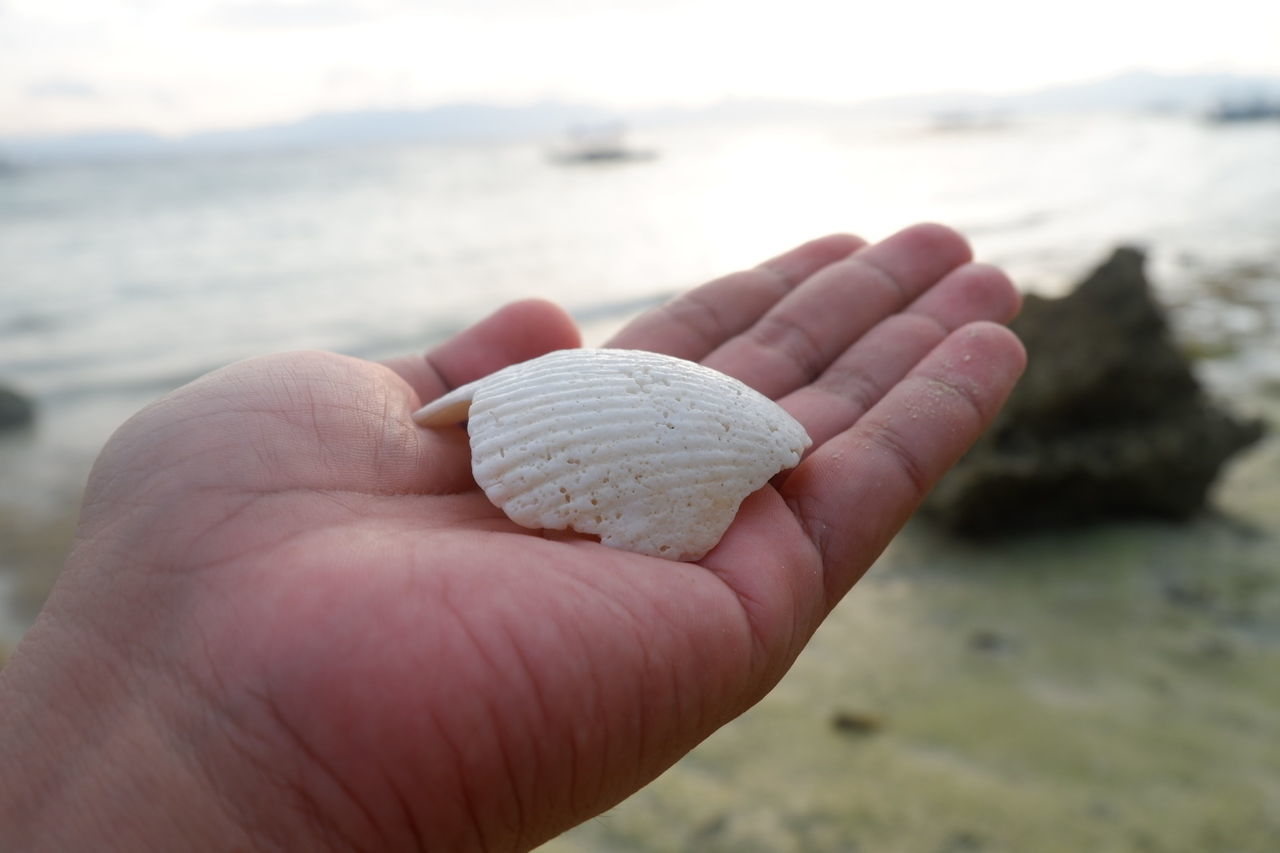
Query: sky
179	66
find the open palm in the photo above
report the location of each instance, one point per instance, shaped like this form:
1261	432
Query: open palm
358	650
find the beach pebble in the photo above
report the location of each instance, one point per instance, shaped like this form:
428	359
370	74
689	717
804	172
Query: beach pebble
15	410
857	722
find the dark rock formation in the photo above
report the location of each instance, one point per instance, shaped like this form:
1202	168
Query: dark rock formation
1108	421
15	410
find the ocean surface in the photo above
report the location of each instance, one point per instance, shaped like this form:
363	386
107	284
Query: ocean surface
120	280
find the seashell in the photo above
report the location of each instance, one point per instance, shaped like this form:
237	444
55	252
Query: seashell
651	453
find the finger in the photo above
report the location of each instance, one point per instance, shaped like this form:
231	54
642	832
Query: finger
694	324
805	332
855	492
771	566
878	360
971	293
440	462
514	333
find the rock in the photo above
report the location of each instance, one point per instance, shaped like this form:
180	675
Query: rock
15	410
857	722
1108	421
989	641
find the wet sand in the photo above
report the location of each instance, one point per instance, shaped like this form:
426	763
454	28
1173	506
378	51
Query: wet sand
33	546
1112	689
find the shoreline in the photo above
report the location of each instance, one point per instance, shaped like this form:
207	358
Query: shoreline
1103	689
37	521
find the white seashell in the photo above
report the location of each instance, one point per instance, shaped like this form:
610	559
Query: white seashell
651	453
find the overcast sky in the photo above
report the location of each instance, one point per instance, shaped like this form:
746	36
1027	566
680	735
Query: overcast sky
180	65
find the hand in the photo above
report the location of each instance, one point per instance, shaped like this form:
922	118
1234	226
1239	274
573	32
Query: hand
290	618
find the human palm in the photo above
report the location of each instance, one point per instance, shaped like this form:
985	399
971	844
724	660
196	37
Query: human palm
356	648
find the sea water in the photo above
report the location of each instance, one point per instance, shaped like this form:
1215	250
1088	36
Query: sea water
120	280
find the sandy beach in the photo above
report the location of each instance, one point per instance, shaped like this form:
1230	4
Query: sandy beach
1111	688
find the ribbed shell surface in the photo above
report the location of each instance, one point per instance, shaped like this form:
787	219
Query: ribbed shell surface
651	453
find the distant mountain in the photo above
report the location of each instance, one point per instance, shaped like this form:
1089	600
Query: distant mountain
80	146
1138	90
1131	91
448	123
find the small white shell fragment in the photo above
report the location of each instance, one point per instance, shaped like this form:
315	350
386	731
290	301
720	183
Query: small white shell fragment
651	453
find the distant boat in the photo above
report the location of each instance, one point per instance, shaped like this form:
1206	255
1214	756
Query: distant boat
1255	109
601	143
962	120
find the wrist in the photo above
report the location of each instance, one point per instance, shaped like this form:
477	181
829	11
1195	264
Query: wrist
87	762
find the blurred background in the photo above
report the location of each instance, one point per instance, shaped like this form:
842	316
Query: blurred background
184	184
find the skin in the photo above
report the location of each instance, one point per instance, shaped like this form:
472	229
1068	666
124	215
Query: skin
290	619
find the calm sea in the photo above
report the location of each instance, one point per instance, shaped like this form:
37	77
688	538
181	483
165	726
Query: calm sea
121	280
